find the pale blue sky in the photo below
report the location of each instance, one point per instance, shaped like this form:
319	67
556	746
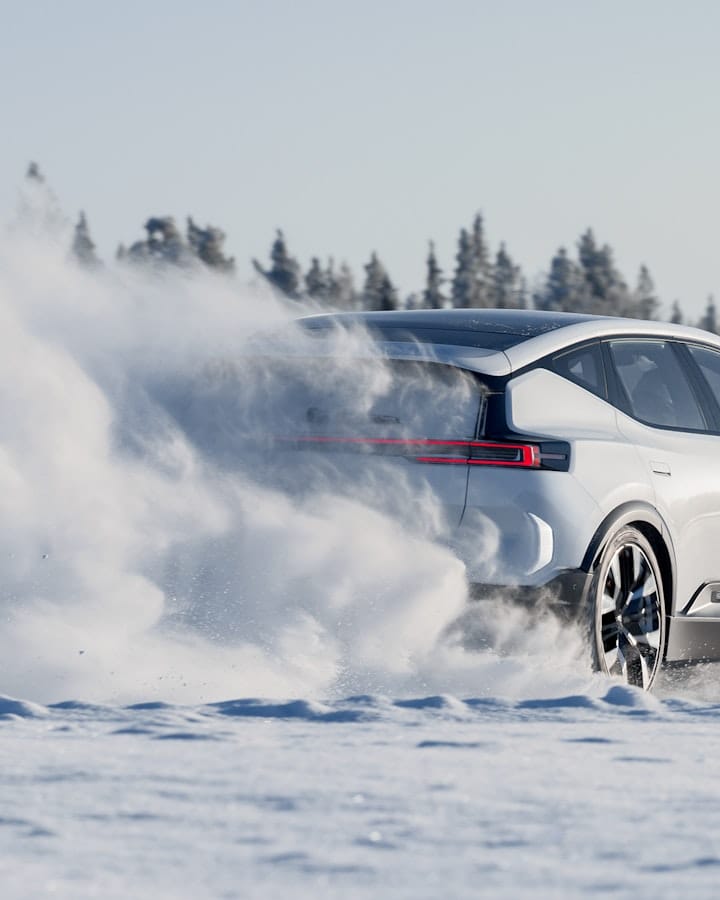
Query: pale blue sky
377	125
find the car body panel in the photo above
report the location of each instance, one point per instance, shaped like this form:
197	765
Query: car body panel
600	327
684	470
541	403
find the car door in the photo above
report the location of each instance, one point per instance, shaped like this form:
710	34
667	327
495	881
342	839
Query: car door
664	412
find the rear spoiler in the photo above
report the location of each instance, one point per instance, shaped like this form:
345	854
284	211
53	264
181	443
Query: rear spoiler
473	359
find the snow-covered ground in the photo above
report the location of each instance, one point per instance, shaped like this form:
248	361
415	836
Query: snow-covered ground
614	794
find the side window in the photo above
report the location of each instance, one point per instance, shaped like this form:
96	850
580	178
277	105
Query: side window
656	385
709	363
583	366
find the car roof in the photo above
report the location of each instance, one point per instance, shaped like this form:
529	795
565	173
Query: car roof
498	341
520	324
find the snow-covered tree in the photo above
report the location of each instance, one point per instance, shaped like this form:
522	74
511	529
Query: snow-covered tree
39	213
608	293
472	280
644	303
207	244
379	293
326	285
317	282
342	283
164	245
433	297
482	270
709	319
463	284
565	289
676	314
83	248
507	290
284	273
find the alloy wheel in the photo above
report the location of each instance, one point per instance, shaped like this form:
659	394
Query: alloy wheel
629	613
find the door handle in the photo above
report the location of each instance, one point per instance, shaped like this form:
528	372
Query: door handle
660	468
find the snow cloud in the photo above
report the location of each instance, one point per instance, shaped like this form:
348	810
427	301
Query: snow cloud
143	556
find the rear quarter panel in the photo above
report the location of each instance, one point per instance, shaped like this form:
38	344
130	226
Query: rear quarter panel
605	470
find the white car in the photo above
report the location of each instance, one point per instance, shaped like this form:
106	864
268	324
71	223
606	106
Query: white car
591	444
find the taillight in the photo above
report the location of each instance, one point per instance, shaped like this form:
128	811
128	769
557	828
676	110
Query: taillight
487	453
438	452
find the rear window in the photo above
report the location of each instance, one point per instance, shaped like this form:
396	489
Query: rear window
483	340
298	397
484	329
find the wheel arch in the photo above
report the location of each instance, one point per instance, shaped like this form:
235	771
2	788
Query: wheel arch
651	525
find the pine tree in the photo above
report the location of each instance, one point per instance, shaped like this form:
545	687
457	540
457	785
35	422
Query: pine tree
164	245
608	293
284	274
463	280
709	319
565	289
482	270
343	287
34	174
676	316
593	266
472	281
39	212
644	302
317	282
379	292
207	244
523	297
83	248
433	297
389	296
507	282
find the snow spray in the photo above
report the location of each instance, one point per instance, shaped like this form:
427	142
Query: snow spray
145	555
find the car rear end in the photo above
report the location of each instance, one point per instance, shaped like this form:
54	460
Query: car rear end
452	415
425	416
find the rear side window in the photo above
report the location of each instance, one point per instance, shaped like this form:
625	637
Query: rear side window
709	363
583	366
655	384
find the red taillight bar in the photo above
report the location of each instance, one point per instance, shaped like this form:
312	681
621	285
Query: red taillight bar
415	442
528	454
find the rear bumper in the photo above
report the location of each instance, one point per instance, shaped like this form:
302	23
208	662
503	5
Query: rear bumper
690	639
525	527
564	594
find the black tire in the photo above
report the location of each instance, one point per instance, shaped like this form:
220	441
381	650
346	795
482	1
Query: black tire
627	610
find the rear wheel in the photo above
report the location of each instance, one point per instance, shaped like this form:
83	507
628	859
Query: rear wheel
628	610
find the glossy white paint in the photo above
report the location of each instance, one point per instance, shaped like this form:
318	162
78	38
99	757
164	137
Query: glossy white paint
684	471
544	404
528	352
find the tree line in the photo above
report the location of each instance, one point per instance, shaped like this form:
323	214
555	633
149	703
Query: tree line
587	281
